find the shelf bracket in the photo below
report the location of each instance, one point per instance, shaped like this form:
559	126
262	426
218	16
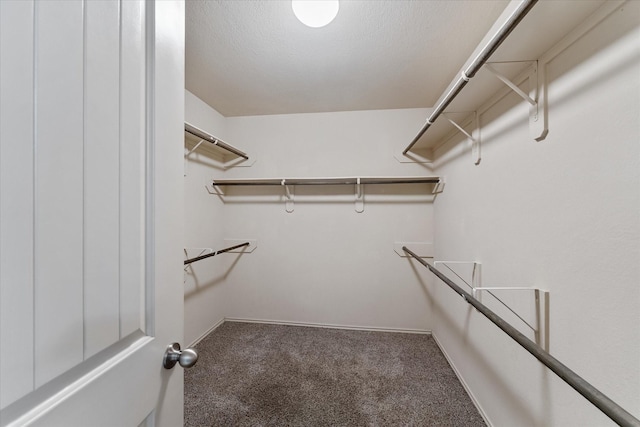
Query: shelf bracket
536	97
188	153
473	141
530	317
514	87
469	272
192	253
289	196
194	148
359	196
539	325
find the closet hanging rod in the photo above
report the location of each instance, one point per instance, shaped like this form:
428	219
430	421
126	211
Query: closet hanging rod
214	253
475	65
329	181
212	139
592	394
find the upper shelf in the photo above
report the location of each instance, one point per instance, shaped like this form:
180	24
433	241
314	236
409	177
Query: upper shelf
543	27
189	128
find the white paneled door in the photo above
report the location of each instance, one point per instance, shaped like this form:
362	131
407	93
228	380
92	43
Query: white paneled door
91	116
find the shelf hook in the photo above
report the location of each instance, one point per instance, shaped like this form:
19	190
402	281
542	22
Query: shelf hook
359	196
289	195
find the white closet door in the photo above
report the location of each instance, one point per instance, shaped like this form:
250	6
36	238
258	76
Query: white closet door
91	264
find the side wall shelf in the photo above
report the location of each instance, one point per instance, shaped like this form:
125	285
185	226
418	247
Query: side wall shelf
534	96
232	157
215	141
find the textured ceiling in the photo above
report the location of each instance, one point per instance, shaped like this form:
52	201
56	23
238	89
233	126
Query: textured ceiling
255	57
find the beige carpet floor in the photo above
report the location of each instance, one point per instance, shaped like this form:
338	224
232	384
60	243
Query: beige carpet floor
270	375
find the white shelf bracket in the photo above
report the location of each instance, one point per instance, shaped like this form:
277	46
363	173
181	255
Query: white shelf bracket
474	141
530	317
514	87
289	196
536	97
422	156
192	253
194	148
359	196
212	188
188	153
473	272
422	249
539	325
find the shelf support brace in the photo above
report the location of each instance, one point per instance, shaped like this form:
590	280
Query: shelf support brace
194	148
439	187
473	141
289	196
359	196
536	97
540	326
536	321
514	87
188	153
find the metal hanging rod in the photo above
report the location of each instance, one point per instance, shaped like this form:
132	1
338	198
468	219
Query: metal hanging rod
329	181
214	253
475	65
212	139
592	394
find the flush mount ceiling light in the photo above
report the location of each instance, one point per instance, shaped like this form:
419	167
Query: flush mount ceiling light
315	13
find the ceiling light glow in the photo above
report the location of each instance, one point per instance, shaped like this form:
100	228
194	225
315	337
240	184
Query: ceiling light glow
315	13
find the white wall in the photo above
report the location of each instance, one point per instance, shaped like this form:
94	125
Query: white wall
563	215
204	280
324	263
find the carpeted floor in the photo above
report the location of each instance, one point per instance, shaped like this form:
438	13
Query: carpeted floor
270	375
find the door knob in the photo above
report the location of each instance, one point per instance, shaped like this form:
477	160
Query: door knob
187	357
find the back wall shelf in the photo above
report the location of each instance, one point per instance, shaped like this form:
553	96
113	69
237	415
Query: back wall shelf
358	182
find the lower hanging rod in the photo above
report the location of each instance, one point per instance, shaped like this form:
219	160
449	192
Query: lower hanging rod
214	253
592	394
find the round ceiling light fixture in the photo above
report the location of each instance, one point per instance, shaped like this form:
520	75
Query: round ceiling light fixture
315	13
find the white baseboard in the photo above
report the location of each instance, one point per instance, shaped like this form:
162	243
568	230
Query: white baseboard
462	381
211	329
328	326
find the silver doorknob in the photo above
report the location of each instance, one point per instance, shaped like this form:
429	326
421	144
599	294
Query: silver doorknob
187	357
